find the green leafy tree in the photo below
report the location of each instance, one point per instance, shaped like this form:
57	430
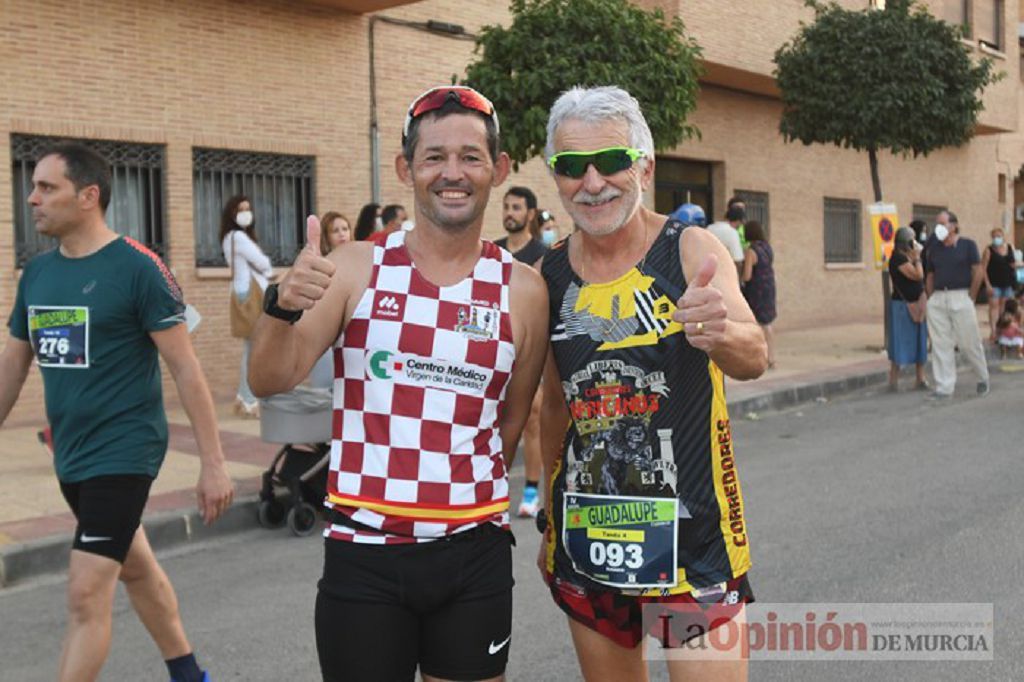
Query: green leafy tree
553	45
896	79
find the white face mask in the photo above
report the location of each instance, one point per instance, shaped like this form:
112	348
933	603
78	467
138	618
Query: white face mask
244	219
548	237
941	232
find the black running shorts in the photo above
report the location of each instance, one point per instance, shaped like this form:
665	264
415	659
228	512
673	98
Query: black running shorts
109	511
445	606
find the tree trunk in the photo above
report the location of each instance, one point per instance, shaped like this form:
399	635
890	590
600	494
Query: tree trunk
876	184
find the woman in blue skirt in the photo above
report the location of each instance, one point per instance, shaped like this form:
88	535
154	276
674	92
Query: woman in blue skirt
908	334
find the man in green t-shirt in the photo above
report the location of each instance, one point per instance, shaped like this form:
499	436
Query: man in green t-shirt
96	314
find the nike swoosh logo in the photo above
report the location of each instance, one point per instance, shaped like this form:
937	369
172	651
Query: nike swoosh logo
93	538
495	648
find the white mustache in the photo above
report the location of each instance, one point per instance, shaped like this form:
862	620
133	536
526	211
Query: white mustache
607	194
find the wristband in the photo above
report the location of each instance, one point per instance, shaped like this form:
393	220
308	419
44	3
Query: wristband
271	308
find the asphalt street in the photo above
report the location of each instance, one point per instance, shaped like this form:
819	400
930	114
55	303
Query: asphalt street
875	497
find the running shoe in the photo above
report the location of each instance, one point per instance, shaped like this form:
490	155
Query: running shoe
530	504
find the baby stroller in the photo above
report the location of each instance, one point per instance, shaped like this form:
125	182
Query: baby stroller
301	421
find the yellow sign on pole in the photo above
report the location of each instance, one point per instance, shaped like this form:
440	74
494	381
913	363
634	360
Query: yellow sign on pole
884	222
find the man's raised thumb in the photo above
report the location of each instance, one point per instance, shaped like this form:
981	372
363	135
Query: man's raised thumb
313	234
706	272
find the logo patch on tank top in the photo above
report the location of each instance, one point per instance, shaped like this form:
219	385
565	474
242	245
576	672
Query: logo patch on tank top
387	305
413	370
478	323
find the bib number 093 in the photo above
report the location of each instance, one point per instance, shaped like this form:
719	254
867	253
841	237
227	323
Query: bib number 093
614	554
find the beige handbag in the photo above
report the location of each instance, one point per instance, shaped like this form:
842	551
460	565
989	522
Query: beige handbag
244	314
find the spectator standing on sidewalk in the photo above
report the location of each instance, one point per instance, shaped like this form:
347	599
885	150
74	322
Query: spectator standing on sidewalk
908	335
97	314
952	282
250	267
1000	270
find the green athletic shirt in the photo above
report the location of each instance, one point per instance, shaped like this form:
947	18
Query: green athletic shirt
88	320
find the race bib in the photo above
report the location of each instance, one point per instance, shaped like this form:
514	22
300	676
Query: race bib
627	542
60	335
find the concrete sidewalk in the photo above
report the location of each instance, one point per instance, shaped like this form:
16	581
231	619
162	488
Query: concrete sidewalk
35	525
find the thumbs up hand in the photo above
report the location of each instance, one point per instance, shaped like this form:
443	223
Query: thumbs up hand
701	309
308	279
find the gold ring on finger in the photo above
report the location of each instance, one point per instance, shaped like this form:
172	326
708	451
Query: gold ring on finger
700	327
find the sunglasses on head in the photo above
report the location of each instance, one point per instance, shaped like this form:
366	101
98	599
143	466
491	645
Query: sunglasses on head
607	161
435	98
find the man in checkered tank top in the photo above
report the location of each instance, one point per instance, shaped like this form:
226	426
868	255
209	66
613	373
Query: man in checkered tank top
439	338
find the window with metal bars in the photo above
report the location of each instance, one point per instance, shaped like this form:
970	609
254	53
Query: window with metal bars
926	212
842	231
137	195
279	186
756	206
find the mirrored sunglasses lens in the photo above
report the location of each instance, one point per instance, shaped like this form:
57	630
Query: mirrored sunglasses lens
470	99
612	161
571	166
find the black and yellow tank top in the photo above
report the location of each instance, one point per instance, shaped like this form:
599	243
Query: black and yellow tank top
648	412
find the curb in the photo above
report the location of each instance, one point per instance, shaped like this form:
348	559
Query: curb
19	562
792	396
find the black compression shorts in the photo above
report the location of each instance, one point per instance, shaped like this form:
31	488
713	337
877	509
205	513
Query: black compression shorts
109	511
445	606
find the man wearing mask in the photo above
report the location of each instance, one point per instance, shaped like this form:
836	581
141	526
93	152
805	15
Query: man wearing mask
391	216
953	278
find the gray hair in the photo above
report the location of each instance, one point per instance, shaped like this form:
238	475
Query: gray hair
596	105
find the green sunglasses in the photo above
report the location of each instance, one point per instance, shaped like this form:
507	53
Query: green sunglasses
607	161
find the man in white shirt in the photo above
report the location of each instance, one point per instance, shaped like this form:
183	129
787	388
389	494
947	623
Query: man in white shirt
727	233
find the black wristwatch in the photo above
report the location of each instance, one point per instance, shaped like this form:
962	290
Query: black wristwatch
542	520
271	308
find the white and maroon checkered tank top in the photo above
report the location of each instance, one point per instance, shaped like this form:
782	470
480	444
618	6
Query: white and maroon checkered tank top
420	377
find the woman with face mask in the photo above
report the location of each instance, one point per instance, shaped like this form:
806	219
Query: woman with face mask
999	265
548	228
250	267
908	333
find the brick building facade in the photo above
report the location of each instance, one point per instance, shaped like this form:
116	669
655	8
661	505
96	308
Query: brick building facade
284	88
